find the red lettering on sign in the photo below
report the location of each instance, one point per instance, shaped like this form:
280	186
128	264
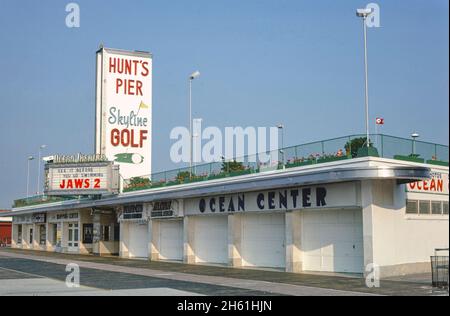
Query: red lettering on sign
115	137
145	71
125	138
128	138
128	87
112	64
433	185
143	137
78	183
440	185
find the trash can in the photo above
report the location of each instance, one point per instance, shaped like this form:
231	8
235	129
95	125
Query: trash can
439	269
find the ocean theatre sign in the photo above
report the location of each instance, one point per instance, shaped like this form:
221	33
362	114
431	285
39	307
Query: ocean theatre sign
341	195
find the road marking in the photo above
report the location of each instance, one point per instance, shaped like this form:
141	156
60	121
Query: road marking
21	272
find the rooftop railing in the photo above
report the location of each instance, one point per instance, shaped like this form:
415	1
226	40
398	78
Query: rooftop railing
336	149
330	150
45	199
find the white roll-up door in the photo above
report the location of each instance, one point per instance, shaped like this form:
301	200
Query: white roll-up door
138	240
171	239
333	241
211	239
263	240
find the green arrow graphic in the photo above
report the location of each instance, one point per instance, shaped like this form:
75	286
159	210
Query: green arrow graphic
129	158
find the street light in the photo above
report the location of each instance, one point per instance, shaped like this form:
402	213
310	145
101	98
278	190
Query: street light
39	168
29	158
281	128
414	136
364	13
194	75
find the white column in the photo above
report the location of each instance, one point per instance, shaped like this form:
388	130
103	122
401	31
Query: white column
234	240
14	236
64	236
294	261
154	226
188	237
367	215
49	236
124	240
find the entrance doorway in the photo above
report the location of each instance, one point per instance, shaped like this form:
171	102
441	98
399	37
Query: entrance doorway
72	241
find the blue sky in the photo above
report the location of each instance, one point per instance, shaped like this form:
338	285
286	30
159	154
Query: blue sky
262	62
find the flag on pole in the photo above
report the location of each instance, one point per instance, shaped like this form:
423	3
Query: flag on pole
379	121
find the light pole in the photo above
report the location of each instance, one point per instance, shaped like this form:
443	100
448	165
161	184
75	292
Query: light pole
364	13
281	128
39	168
194	75
414	136
29	158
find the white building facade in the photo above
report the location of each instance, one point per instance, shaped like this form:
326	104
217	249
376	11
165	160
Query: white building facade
333	217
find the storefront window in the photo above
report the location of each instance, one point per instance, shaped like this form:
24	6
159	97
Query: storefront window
42	235
106	233
31	236
88	233
445	207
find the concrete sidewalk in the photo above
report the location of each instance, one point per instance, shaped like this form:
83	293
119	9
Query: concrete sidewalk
258	280
270	287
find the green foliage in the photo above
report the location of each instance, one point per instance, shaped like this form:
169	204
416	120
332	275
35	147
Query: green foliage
183	176
232	166
139	182
352	147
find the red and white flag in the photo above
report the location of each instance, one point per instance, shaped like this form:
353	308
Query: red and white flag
379	121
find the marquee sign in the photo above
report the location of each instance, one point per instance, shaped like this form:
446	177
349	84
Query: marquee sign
437	184
325	196
124	110
78	158
164	209
81	179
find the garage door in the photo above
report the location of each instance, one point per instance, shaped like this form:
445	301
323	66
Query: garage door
263	240
333	241
171	240
211	239
138	241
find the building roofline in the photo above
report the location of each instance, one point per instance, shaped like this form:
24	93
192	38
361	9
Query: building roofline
336	172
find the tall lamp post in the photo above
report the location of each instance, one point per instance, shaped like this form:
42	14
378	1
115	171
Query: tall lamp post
29	158
281	128
39	168
194	75
364	13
